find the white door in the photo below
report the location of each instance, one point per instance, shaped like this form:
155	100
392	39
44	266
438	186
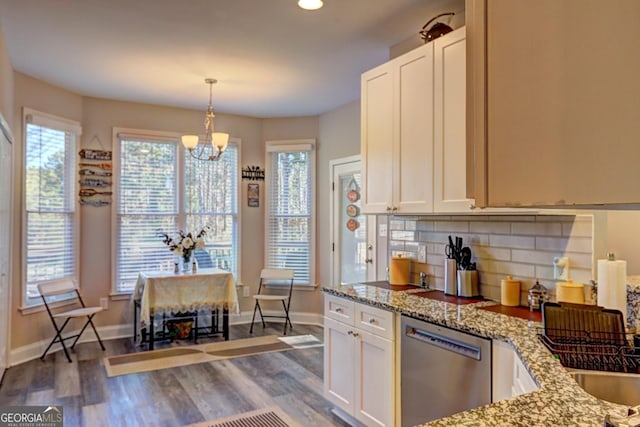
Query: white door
353	233
5	237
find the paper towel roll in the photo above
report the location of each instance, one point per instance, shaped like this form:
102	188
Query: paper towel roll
612	285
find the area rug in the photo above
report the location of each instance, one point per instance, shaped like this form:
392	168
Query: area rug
272	416
188	355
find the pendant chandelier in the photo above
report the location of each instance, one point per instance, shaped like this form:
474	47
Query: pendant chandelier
218	140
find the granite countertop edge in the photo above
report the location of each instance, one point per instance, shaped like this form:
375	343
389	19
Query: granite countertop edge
559	401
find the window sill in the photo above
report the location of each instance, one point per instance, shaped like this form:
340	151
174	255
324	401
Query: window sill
31	309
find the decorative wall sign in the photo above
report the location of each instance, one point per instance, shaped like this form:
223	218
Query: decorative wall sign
95	154
253	173
253	195
95	172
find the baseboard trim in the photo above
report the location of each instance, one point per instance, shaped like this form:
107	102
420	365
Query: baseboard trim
34	350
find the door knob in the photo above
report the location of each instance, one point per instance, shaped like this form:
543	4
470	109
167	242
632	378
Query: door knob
369	260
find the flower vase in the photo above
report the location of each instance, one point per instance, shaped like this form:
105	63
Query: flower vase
186	264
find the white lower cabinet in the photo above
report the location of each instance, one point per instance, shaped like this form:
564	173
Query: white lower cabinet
510	377
359	360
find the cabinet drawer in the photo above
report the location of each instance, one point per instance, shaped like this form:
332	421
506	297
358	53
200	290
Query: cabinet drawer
340	309
375	320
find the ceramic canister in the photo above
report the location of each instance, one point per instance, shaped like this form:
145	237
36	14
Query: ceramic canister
570	292
399	270
510	292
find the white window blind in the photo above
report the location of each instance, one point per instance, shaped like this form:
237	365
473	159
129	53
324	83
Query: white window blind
290	226
50	218
162	189
147	201
211	198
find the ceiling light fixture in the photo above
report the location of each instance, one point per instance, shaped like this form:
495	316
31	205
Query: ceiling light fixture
310	4
218	140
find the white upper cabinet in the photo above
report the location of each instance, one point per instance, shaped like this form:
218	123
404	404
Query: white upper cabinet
450	143
414	131
397	134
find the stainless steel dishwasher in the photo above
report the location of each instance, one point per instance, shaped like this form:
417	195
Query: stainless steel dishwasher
443	371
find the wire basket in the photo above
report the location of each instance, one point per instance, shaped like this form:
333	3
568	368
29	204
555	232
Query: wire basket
592	350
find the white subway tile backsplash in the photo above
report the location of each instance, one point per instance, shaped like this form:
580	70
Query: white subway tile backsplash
537	228
452	226
500	254
522	246
563	244
396	224
520	242
533	257
425	226
490	227
402	235
579	228
410	225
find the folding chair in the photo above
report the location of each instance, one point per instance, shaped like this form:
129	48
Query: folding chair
272	275
59	287
204	259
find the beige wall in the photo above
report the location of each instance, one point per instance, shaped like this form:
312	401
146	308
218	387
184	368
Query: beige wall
35	94
337	135
6	83
621	237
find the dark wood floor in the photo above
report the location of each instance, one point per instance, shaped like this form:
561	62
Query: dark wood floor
291	380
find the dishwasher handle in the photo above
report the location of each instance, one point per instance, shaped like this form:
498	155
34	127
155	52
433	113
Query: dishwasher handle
443	342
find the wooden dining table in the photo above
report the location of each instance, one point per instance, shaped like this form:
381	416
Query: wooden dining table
165	293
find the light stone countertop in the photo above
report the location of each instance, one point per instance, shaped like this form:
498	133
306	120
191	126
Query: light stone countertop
559	401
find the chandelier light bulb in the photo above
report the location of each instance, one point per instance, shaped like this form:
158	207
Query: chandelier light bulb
310	4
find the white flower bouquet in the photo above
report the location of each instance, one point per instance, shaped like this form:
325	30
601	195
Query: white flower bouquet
183	244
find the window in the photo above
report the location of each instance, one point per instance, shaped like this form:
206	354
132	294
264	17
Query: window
161	188
290	223
50	228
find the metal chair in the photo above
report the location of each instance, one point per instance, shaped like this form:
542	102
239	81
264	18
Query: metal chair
270	275
59	287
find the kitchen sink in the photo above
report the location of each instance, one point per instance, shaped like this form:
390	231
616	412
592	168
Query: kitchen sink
613	387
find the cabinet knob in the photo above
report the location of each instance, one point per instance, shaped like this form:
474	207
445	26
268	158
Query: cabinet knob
338	310
349	332
472	206
372	321
388	209
355	334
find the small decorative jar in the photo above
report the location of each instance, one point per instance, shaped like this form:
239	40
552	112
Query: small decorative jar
537	295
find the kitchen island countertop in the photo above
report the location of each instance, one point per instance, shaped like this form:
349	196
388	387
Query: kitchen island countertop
559	401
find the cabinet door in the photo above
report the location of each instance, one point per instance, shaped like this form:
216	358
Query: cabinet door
413	184
450	144
562	102
374	396
377	138
339	356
